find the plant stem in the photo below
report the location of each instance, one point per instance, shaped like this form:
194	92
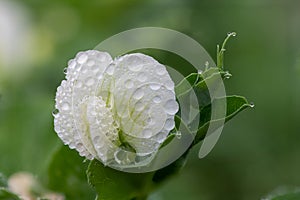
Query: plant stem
220	52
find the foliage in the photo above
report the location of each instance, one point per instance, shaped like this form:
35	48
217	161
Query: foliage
66	174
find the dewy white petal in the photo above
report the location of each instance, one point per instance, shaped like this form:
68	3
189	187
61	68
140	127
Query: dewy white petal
131	97
73	92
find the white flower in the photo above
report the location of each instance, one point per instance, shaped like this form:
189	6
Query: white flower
117	111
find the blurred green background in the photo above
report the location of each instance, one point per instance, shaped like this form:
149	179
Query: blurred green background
258	151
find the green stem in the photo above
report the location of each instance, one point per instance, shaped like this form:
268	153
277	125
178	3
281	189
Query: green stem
220	52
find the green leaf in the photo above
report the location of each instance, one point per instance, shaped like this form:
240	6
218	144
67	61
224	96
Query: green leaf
66	174
193	79
112	184
5	194
198	84
235	104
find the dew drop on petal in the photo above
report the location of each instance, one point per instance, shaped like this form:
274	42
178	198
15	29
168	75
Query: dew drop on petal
156	99
96	139
142	77
160	137
147	133
155	86
82	58
95	68
149	120
55	112
78	84
72	64
160	70
90	63
135	68
120	155
129	84
169	85
171	107
65	106
110	69
89	81
170	124
135	63
72	145
139	106
138	94
99	75
79	147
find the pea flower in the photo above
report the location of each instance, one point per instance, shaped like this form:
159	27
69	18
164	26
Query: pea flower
115	110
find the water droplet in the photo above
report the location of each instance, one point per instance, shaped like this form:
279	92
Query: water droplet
139	106
79	147
90	63
65	70
169	124
142	77
206	65
129	84
78	84
252	105
65	106
200	71
84	70
149	120
89	81
120	155
102	57
147	133
96	139
154	86
72	64
156	99
169	85
135	68
82	58
90	157
95	68
110	69
138	94
99	144
231	34
227	75
99	75
171	107
55	112
160	70
135	63
178	134
160	137
72	145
